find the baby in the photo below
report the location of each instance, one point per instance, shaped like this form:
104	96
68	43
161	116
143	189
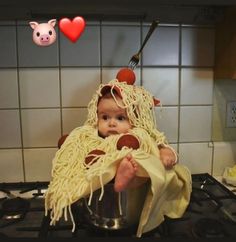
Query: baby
112	120
102	150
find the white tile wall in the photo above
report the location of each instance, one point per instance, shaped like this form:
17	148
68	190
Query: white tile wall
163	83
72	118
39	87
196	156
11	165
167	122
163	47
78	85
77	54
195	123
196	86
119	43
8	46
10	129
38	164
41	127
57	82
9	88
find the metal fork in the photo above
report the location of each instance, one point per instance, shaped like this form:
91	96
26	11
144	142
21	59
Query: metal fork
135	58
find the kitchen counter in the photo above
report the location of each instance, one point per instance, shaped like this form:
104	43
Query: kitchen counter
230	187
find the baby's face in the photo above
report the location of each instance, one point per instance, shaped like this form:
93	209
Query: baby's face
111	118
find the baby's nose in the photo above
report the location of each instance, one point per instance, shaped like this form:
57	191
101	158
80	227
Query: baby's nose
112	122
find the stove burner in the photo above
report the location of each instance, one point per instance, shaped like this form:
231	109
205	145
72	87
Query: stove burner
2	236
208	228
15	208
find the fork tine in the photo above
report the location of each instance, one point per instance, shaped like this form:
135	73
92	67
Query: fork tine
133	62
132	65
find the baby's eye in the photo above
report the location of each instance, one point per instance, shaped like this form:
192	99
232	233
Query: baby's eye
104	117
121	118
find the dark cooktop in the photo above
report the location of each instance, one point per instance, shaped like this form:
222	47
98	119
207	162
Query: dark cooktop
211	215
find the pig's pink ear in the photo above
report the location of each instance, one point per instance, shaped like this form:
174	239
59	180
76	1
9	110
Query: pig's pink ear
33	24
52	22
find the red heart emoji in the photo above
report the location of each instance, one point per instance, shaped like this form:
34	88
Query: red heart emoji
72	29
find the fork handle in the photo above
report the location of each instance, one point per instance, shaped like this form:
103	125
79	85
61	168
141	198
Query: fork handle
151	29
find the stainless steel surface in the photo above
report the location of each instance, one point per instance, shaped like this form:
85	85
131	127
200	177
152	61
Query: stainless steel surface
115	210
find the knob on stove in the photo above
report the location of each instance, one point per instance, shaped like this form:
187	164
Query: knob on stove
110	223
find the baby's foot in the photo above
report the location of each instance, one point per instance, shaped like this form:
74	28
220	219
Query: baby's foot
126	171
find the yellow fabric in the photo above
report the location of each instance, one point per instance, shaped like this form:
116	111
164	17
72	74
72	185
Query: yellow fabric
229	175
168	194
232	171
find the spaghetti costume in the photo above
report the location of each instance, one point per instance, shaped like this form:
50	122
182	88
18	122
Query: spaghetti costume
86	162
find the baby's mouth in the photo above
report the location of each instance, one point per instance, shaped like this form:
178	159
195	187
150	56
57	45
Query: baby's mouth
111	132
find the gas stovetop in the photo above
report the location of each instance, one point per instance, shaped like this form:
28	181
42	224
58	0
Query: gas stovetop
211	214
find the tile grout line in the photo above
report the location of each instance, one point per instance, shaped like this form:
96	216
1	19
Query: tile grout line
60	85
179	82
141	61
19	103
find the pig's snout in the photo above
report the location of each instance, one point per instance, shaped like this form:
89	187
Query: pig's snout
44	38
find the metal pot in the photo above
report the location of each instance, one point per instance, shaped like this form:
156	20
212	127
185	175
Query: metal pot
115	210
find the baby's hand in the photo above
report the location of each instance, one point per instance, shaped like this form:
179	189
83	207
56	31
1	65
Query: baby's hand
167	157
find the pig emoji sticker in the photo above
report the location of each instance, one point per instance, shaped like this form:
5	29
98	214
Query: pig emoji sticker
44	34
